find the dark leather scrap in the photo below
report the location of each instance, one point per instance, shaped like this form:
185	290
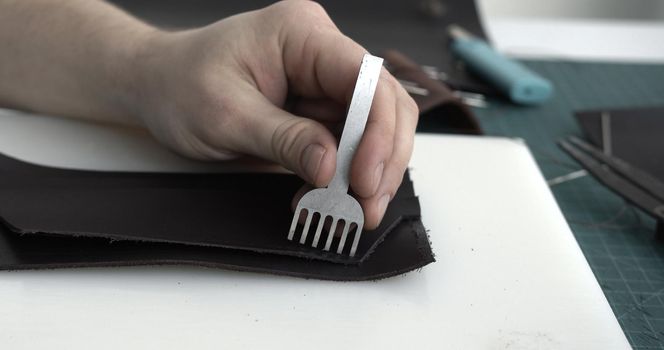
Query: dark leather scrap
636	135
55	218
440	110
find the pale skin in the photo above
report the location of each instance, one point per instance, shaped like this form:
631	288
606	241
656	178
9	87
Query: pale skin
272	83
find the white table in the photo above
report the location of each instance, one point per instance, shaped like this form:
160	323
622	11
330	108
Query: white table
509	272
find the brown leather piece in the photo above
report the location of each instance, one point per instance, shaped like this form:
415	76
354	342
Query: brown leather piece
63	218
440	105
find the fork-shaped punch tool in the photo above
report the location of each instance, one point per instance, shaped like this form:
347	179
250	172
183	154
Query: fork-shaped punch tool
334	204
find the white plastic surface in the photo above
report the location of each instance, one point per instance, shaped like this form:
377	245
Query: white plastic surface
578	40
509	273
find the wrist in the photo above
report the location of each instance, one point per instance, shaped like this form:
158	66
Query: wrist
136	62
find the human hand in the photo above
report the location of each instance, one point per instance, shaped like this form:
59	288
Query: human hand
275	83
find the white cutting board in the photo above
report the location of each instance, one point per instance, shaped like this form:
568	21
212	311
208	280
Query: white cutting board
509	274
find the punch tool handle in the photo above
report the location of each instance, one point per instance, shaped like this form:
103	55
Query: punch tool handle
516	81
356	120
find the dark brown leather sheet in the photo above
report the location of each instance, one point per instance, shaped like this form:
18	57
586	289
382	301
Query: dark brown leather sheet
63	218
636	135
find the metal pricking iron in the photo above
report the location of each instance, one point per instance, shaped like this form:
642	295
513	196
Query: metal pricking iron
334	204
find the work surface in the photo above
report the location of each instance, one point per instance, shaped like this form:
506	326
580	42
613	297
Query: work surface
509	272
617	240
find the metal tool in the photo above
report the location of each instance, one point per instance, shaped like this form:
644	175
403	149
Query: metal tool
412	88
334	202
468	98
434	73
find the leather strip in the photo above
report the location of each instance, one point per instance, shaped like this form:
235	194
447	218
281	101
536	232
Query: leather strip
60	218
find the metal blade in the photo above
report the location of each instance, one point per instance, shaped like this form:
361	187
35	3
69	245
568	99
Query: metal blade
305	231
319	229
293	225
356	239
344	235
330	235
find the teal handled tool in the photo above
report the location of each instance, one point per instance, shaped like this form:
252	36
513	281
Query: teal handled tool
519	83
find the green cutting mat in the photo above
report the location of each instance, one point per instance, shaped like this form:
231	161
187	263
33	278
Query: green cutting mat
616	238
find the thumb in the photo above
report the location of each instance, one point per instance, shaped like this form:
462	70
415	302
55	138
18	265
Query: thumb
299	144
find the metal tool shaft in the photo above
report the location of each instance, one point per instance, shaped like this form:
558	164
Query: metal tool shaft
334	202
356	120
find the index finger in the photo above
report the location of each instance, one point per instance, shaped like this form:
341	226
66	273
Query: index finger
321	62
318	59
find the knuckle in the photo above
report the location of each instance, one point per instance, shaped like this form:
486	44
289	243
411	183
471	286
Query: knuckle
286	139
392	82
188	143
216	121
403	97
302	10
394	186
312	9
411	106
402	159
389	189
381	129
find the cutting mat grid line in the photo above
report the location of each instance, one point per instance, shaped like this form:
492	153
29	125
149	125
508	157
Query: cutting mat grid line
616	238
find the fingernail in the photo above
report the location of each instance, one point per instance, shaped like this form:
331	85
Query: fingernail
311	160
378	174
382	205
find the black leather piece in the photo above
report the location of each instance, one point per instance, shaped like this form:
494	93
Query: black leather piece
58	218
405	249
636	135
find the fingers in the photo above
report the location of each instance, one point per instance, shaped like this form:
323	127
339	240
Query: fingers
299	194
320	109
405	119
404	116
377	143
318	59
393	130
260	128
321	62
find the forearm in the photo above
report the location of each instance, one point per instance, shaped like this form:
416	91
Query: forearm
70	57
212	92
